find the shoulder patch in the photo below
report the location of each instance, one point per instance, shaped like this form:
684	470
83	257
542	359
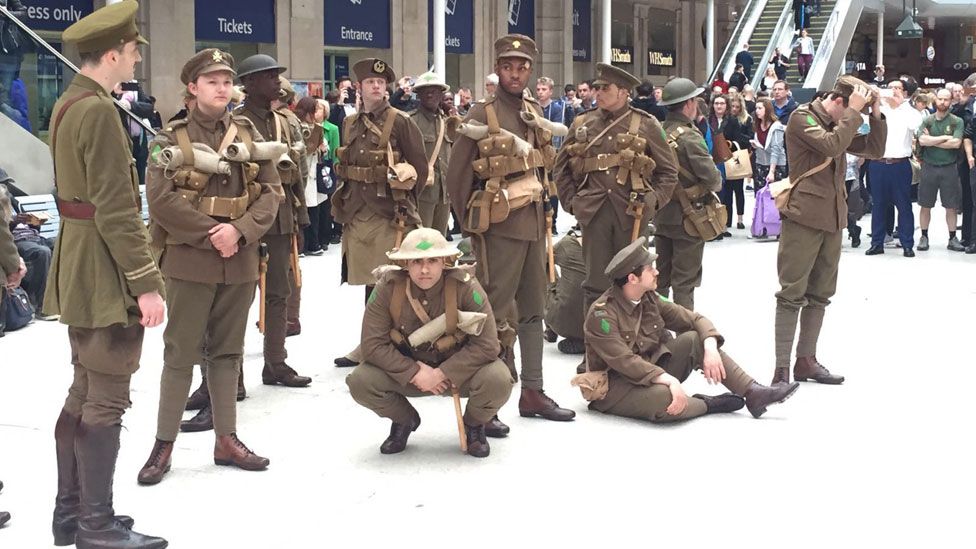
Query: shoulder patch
478	298
664	299
372	296
599	313
811	121
605	326
154	153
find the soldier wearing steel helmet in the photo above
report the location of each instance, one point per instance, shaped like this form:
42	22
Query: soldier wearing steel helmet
433	204
429	326
680	253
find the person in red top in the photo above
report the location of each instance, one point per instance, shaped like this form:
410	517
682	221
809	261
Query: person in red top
720	82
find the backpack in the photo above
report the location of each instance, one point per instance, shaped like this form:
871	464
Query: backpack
765	217
15	310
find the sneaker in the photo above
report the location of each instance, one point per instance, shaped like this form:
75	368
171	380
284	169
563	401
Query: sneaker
315	252
923	243
889	241
955	245
46	318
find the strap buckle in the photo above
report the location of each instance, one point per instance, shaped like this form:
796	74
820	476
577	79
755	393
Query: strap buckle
603	162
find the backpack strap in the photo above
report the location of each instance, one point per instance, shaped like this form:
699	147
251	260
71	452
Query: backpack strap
493	127
186	147
396	303
387	128
451	305
57	121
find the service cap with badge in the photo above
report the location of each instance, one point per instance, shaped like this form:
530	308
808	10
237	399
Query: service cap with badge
516	45
628	259
205	62
372	67
608	74
105	28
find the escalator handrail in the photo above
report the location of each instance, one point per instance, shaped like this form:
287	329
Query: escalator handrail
785	24
731	48
23	27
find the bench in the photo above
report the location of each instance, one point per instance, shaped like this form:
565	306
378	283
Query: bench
45	203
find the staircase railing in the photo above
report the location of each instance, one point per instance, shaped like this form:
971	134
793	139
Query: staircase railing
743	30
782	34
835	33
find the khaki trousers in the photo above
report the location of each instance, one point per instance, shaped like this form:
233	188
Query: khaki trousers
104	360
679	262
516	274
279	289
603	237
434	215
365	241
487	391
211	314
651	402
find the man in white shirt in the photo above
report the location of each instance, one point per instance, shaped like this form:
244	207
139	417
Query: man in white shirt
891	176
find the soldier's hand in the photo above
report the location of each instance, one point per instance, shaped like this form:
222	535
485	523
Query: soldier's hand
153	309
712	367
429	380
859	98
13	279
679	399
224	238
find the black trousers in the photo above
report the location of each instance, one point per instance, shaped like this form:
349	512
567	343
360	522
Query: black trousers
967	202
730	187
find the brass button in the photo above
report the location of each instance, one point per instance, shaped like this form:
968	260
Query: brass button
361	151
424	303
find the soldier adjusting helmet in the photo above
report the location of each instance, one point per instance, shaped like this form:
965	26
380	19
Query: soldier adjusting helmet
423	243
679	90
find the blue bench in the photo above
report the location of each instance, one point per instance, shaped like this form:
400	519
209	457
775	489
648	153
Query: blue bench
45	203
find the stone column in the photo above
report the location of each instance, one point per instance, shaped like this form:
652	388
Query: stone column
490	23
300	31
170	31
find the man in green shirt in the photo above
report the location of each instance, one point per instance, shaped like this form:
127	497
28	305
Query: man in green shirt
939	138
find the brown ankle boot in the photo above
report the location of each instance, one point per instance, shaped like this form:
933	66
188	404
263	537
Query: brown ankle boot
477	441
281	373
807	368
241	390
496	429
535	402
199	398
203	421
759	397
781	375
229	450
399	433
158	464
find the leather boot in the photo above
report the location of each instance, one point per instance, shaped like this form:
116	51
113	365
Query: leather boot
67	505
199	398
282	374
241	390
203	421
807	368
343	362
294	328
97	449
536	403
4	518
722	404
759	397
581	367
159	463
496	429
571	346
477	441
781	375
399	433
229	450
550	335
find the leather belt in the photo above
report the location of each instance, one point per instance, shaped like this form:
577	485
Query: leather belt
893	160
71	209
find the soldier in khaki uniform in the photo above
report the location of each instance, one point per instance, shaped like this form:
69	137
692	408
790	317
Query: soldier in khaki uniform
818	136
614	171
679	253
436	127
260	75
499	193
636	366
209	223
374	209
564	298
103	280
459	350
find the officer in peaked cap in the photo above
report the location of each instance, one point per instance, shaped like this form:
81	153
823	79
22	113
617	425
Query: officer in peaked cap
372	67
608	74
106	28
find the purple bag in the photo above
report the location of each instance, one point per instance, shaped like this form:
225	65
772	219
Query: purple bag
765	217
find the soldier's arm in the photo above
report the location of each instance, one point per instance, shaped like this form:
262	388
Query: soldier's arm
477	350
872	145
562	173
377	346
107	156
261	214
678	319
167	207
602	333
460	175
700	162
665	176
828	144
411	143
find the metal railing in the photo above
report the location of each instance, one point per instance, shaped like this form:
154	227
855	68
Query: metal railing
832	37
783	32
744	29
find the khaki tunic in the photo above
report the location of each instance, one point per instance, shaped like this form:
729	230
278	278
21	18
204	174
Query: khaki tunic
429	125
9	258
100	266
679	259
564	301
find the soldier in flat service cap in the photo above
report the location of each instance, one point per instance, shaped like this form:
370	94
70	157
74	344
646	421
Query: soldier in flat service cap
635	366
209	221
103	281
382	170
615	170
499	194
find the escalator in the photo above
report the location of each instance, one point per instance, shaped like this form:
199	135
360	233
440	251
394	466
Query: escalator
33	74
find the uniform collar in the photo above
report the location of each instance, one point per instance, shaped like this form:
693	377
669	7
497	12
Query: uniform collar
619	297
435	290
678	117
508	99
824	117
608	115
89	84
261	112
378	111
207	123
428	115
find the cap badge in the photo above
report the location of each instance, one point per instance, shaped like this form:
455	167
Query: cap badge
379	67
516	44
218	57
424	245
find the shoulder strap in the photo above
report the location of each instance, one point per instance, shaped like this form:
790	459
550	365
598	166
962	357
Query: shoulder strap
451	305
437	149
493	126
57	124
635	120
396	303
418	309
813	170
388	127
186	147
228	137
605	130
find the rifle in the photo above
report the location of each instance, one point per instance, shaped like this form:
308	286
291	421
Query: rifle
262	283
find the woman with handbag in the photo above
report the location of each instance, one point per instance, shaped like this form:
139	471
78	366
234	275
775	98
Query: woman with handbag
770	154
311	113
718	120
738	133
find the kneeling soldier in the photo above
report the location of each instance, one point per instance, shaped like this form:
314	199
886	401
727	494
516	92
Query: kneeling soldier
210	214
429	327
628	336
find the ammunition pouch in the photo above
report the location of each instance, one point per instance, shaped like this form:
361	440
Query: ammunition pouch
704	214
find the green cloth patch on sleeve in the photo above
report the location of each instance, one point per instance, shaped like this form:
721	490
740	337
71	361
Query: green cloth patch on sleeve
372	296
664	134
605	326
477	297
811	120
664	299
424	245
155	153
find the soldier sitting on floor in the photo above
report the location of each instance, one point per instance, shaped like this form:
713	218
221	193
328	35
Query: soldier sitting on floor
564	298
635	366
429	327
